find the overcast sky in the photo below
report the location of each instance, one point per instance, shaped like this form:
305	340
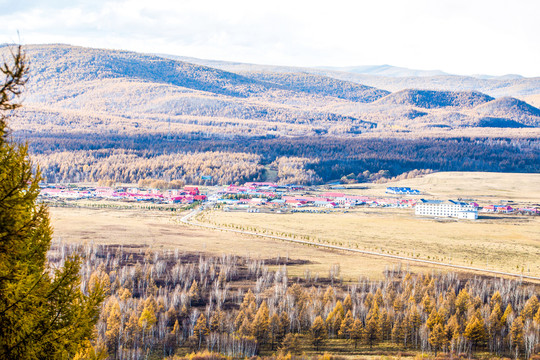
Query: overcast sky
493	37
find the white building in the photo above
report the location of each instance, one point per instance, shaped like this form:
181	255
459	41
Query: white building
448	208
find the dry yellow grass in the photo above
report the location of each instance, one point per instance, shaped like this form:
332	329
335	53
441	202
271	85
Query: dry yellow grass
503	243
482	186
509	243
162	230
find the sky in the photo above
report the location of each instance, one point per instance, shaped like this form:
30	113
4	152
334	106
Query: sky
494	37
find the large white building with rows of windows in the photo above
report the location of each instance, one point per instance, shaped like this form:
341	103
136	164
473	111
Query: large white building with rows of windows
448	208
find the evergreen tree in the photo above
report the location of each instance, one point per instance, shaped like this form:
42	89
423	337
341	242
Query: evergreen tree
438	338
261	324
274	329
516	334
43	313
475	331
357	332
200	330
318	332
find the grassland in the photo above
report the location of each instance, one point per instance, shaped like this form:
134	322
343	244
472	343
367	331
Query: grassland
160	229
485	187
508	243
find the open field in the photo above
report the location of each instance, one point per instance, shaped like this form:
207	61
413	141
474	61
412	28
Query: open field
482	186
502	243
507	243
161	230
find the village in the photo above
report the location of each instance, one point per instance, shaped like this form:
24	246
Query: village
271	197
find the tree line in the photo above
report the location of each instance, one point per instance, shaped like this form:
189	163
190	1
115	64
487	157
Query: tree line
168	302
310	160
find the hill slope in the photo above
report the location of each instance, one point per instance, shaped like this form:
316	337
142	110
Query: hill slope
429	99
119	91
393	79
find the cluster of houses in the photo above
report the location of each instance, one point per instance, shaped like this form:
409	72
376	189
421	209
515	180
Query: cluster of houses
293	196
187	195
254	196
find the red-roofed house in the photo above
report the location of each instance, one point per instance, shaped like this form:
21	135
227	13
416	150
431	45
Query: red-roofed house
192	190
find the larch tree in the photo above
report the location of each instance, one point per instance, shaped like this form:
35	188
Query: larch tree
531	307
372	331
194	293
357	332
345	329
438	338
475	331
200	330
284	326
44	313
290	344
261	323
112	334
274	325
516	334
318	332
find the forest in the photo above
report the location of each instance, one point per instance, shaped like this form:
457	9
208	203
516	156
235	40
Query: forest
306	160
167	303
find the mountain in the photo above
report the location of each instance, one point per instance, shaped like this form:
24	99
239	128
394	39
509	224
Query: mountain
74	88
495	86
511	109
93	114
150	91
320	85
429	99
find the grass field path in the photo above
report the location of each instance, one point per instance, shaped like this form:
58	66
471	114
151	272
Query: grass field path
187	220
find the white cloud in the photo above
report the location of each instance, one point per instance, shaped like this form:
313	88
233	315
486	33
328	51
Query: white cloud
496	36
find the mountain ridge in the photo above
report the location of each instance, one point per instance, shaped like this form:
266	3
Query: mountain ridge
153	93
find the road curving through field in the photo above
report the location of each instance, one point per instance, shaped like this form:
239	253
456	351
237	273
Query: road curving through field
187	220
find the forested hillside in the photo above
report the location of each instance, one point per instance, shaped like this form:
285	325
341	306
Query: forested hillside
94	114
